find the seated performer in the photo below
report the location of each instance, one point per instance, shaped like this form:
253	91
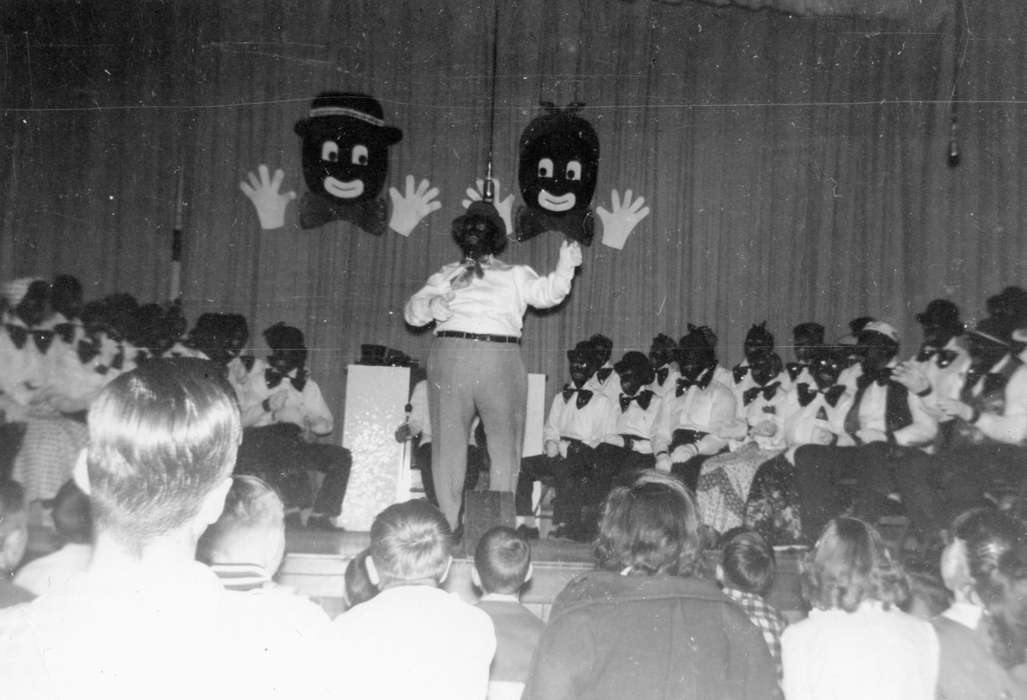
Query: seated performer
937	371
578	420
986	454
887	428
724	480
758	342
808	338
663	359
628	448
605	380
691	419
283	414
814	413
475	365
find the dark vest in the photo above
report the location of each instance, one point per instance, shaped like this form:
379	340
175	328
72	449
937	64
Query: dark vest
896	407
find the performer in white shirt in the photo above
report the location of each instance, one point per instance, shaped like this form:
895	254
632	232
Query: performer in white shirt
283	416
808	339
475	365
578	420
605	380
890	429
663	359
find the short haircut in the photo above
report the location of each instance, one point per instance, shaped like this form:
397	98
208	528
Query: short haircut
359	587
650	527
748	562
926	588
502	558
161	437
72	517
410	543
252	506
12	506
850	564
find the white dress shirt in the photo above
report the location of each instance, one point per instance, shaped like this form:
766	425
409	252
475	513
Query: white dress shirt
493	304
634	421
706	410
869	653
762	409
610	388
816	423
945	382
306	408
589	424
873	418
668	386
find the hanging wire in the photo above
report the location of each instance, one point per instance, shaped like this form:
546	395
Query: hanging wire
488	193
958	53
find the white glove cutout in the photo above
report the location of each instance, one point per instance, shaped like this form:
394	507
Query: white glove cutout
503	206
263	192
408	209
621	221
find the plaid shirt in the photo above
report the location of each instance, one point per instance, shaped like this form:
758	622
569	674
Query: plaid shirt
769	621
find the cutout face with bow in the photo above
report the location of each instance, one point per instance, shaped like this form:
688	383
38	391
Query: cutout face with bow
557	174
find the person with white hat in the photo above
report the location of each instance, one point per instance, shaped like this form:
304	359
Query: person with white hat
886	425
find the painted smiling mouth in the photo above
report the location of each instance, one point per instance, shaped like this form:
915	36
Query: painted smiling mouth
553	203
343	190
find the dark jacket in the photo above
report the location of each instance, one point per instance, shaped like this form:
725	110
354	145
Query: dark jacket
639	637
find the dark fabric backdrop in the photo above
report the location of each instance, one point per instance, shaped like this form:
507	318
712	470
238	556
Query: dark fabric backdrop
795	166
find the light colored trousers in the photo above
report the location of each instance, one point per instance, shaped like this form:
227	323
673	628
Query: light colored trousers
467	377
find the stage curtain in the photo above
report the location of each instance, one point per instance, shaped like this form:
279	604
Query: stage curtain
796	167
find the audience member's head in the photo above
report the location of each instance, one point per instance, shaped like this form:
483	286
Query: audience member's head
928	596
502	561
409	545
649	528
13	525
994	548
747	563
162	445
849	565
251	529
71	514
358	585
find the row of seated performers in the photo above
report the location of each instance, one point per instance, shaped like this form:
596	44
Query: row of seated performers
783	447
59	352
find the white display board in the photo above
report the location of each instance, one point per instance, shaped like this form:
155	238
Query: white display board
535	416
375	398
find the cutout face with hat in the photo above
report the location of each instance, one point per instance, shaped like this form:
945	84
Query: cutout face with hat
345	146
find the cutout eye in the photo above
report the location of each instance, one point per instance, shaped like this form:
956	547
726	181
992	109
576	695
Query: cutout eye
359	156
330	151
573	170
545	167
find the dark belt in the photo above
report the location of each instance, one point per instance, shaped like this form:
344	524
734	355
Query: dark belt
484	337
631	440
684	436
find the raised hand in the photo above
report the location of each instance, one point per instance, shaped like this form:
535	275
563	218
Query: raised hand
439	306
503	206
621	221
267	200
408	209
570	255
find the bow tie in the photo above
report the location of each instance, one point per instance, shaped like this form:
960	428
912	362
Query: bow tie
739	372
831	394
272	377
18	334
43	338
942	357
317	210
768	391
881	377
66	331
584	395
685	383
247	362
662	373
795	369
603	373
643	398
87	350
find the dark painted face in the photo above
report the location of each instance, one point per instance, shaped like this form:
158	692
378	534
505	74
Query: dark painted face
286	360
877	353
826	371
659	355
343	159
630	383
766	368
581	365
559	166
937	336
806	347
693	362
